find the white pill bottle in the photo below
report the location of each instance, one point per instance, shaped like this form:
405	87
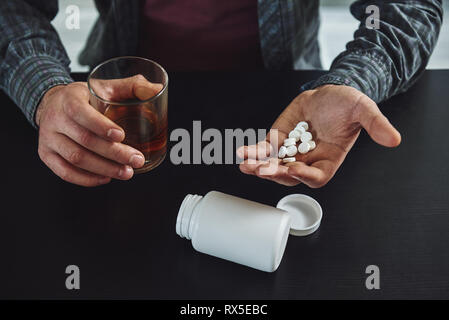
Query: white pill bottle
238	230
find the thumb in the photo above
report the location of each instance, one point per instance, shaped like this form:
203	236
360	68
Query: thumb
143	89
376	124
126	88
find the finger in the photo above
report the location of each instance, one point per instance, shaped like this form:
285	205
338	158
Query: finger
249	166
114	151
269	170
88	117
258	151
315	176
278	173
70	173
276	138
269	167
85	159
126	88
376	124
144	90
264	148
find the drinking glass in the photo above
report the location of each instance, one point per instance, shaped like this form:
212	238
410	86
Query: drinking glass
117	89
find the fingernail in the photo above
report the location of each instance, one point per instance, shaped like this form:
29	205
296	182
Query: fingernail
115	134
125	171
136	161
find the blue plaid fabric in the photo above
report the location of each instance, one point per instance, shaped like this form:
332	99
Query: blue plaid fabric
380	63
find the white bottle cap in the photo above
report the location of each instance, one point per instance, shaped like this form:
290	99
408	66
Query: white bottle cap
305	213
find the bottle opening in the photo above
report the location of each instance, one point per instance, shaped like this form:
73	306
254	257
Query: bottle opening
184	220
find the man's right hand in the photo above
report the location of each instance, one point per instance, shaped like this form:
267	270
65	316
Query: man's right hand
80	144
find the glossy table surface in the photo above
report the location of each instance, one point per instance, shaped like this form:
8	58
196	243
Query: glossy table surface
384	207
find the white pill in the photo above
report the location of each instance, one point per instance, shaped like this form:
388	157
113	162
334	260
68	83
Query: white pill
293	159
291	151
294	134
304	147
303	124
312	145
301	129
289	142
306	136
282	152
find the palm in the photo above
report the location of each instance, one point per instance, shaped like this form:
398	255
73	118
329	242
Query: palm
333	117
332	127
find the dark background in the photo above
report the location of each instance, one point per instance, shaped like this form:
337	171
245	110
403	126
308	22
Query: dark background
387	207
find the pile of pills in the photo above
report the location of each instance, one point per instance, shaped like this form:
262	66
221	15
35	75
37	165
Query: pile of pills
288	151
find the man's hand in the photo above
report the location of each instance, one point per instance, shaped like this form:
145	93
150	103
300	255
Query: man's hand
81	145
335	115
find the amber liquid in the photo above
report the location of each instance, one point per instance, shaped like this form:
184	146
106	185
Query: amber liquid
145	130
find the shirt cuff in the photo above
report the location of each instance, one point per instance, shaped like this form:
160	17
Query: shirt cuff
32	78
328	79
363	71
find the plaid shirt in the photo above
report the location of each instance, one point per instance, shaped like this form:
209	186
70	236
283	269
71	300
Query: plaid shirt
380	63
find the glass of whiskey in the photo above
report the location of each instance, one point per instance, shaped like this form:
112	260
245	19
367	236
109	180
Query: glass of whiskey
133	92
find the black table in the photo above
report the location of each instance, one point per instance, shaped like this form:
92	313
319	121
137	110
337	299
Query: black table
384	207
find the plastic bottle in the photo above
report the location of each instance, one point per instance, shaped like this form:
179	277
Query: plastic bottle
235	229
